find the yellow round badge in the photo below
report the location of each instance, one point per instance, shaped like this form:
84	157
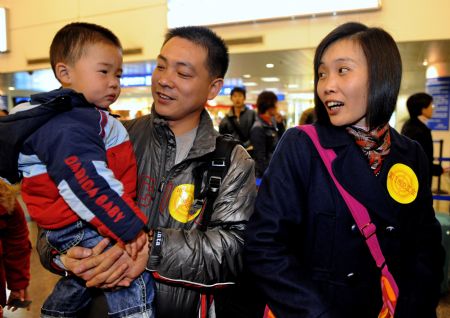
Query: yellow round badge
402	183
180	203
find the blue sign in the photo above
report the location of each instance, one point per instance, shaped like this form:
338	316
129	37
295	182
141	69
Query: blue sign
136	80
439	88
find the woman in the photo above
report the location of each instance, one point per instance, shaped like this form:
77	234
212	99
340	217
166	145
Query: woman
307	255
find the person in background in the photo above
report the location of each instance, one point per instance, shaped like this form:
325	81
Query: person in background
308	116
79	170
239	120
420	108
308	256
170	143
266	131
3	108
15	250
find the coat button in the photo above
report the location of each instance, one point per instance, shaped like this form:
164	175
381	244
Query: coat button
355	229
390	228
351	277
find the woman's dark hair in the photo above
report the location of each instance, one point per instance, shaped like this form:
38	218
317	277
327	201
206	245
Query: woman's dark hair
417	102
265	101
217	51
384	70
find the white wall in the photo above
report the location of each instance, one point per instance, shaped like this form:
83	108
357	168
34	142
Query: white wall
137	23
405	20
142	23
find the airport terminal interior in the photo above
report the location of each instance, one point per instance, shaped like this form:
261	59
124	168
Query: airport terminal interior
267	52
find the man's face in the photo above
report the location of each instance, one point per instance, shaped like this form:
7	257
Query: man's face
181	83
238	99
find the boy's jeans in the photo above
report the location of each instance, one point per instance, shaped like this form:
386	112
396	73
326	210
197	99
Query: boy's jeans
70	294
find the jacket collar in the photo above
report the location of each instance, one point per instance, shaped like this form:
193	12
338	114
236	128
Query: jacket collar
231	111
42	98
352	170
205	140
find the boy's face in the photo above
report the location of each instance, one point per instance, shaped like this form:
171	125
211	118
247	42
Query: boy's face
96	74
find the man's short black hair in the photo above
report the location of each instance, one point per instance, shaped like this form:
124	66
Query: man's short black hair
217	51
238	89
417	102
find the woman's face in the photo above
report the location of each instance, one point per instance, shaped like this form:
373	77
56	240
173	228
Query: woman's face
343	83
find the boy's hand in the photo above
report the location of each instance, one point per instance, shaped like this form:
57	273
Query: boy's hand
136	245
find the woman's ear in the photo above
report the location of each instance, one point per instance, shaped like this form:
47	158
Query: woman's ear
62	72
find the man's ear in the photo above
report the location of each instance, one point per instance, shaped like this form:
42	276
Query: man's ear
62	72
215	87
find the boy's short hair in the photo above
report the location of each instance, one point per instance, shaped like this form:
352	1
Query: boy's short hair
417	102
265	101
384	66
217	51
238	89
69	43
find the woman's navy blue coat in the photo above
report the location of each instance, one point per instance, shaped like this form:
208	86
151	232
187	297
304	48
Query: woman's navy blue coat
305	251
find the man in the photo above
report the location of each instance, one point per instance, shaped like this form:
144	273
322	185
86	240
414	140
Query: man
266	131
170	143
420	108
239	119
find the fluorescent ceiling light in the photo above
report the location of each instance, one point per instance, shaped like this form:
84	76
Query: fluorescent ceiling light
182	12
270	79
293	86
250	84
270	65
3	31
246	76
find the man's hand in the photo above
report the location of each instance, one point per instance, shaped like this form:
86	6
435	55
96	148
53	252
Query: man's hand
136	245
88	263
135	268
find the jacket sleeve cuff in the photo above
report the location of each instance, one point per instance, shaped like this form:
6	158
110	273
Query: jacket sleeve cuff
155	253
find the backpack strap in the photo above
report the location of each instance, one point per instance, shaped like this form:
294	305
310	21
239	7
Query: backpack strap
366	227
216	166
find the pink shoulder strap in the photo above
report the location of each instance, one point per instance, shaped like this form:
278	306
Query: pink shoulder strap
361	217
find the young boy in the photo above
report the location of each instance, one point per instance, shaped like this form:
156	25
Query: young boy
79	170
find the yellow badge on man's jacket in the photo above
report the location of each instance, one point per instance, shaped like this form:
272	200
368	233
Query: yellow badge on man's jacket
402	183
181	202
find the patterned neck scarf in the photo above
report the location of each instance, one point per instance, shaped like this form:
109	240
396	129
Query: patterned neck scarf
375	144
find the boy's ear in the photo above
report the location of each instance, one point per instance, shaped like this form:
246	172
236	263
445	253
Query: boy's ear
62	72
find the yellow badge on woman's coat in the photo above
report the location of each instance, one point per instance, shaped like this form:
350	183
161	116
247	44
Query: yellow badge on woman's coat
402	183
181	202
